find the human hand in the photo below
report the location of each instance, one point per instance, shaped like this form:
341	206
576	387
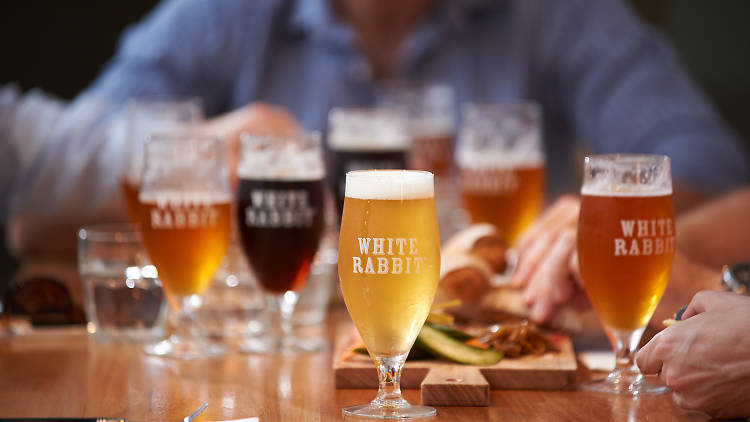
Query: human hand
704	358
547	268
687	278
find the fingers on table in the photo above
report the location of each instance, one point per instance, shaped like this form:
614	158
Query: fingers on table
650	358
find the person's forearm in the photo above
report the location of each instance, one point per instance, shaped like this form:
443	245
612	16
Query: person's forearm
686	198
717	233
67	172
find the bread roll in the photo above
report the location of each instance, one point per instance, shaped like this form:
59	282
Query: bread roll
483	240
464	277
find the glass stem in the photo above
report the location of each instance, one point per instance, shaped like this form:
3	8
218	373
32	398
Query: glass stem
286	303
183	324
389	376
625	343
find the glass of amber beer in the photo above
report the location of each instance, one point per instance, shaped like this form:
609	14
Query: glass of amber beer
141	118
184	212
501	162
280	220
430	113
626	242
389	264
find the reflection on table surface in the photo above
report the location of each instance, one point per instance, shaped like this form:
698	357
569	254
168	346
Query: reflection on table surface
63	373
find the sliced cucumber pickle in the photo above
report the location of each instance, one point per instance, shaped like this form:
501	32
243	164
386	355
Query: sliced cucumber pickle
440	344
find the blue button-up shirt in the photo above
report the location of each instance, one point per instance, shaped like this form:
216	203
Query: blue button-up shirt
603	78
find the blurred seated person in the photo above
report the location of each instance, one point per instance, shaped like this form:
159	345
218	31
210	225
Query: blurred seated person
600	74
709	236
704	358
65	167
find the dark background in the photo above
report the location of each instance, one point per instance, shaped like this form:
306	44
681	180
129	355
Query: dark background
60	46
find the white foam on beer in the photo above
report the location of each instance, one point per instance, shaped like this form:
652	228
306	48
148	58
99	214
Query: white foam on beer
177	198
497	160
367	130
289	162
431	127
625	175
389	184
632	191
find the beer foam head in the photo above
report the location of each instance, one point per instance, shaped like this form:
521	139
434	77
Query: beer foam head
297	157
430	108
500	136
363	129
431	127
497	160
389	184
627	175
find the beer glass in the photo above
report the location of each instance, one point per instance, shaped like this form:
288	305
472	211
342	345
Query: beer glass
361	139
389	264
184	212
430	114
626	242
501	162
280	221
140	119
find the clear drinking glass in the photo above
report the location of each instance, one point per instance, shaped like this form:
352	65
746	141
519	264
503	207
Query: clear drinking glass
389	264
143	117
626	243
280	203
500	156
184	213
123	297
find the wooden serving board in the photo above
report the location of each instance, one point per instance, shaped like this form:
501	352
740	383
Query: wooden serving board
450	384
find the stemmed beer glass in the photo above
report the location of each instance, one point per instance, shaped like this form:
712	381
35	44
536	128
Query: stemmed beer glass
280	221
626	242
500	156
389	264
184	212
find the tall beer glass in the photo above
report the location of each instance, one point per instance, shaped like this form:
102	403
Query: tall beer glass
362	139
280	221
185	211
430	111
501	162
389	264
626	242
140	119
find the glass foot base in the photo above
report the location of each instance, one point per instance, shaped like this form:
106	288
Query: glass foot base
638	385
185	349
407	411
289	347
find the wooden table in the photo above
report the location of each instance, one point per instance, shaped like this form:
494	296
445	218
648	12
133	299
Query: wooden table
66	374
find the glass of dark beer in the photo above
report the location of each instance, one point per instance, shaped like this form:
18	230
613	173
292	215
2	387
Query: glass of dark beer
364	139
280	202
